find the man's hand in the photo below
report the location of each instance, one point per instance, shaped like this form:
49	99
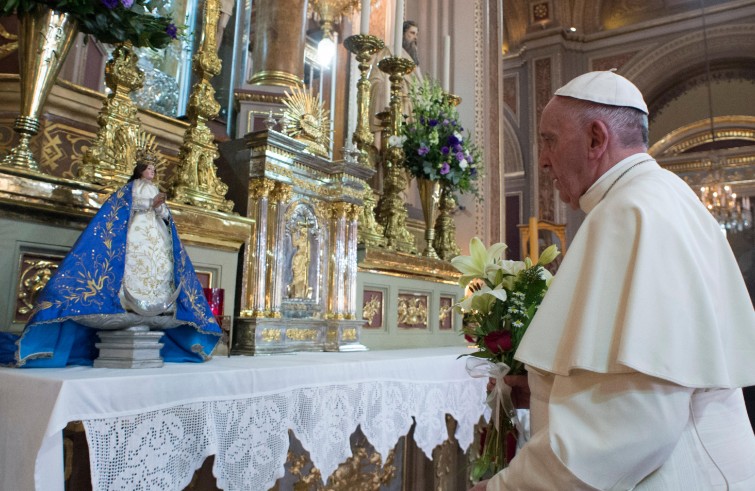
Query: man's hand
480	486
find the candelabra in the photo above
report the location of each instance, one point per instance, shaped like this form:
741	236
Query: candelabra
391	208
364	46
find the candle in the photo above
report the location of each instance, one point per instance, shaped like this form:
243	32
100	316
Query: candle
534	246
398	33
364	24
447	63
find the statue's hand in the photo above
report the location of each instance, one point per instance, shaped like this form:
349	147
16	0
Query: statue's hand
158	200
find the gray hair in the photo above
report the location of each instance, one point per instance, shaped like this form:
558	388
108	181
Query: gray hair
628	123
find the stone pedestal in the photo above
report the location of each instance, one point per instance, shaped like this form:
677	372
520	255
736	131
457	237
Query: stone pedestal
134	347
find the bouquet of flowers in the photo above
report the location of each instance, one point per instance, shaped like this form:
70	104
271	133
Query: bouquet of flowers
109	21
434	142
503	298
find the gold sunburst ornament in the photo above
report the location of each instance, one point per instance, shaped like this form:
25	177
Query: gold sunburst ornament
143	144
306	119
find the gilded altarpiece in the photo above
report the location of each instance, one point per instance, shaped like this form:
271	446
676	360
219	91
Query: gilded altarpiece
299	291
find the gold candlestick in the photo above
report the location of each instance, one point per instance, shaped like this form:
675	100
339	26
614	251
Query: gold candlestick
196	181
392	209
363	46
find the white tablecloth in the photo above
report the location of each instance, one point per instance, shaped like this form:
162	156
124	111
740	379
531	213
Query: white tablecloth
152	428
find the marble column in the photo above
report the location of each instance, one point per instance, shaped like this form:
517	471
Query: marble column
279	39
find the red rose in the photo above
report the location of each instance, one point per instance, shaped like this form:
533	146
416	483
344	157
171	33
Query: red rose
498	342
469	338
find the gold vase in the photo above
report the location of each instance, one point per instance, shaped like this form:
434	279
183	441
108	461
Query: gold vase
45	36
429	195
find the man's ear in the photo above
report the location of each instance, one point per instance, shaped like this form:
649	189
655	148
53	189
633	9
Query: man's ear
598	139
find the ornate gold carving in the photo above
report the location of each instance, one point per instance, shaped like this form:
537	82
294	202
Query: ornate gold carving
339	209
354	212
196	181
361	472
271	335
371	308
46	37
281	193
407	266
445	227
370	231
349	334
260	188
391	211
35	273
102	164
412	311
302	334
10	47
307	120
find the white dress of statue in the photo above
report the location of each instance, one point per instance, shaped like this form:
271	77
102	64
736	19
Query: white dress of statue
148	274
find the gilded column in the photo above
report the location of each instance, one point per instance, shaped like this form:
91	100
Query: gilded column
336	290
259	192
280	195
279	37
351	265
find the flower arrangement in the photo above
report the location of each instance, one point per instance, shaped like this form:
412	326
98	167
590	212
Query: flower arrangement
435	144
503	298
109	21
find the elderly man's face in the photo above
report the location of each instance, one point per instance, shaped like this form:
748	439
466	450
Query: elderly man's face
563	152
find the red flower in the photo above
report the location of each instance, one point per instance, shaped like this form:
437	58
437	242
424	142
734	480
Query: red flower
498	342
469	338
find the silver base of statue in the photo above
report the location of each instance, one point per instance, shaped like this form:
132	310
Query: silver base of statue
132	347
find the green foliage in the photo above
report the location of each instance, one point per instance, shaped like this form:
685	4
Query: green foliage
435	144
109	21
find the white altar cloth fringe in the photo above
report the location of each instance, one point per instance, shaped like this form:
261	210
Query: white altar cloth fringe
150	429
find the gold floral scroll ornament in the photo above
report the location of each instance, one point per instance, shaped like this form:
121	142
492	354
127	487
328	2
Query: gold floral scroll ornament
306	119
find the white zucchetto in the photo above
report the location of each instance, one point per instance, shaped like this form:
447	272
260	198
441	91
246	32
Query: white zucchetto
604	88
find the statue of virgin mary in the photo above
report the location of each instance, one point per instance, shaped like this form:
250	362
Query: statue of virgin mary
127	268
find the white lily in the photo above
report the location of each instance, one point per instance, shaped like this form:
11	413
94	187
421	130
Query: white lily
481	262
548	255
482	300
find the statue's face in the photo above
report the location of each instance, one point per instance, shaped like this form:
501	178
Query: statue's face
149	172
410	35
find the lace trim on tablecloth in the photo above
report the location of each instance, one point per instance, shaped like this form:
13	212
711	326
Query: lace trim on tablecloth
161	449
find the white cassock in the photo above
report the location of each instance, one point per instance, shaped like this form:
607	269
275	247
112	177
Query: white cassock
640	348
148	272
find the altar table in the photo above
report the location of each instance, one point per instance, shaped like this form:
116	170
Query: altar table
151	429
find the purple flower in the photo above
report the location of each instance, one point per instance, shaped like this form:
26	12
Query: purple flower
452	140
445	122
423	150
445	150
459	156
110	4
433	123
127	3
458	148
171	30
469	158
472	171
445	169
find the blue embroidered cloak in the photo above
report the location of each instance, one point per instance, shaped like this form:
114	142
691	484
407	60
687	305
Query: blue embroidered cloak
87	283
